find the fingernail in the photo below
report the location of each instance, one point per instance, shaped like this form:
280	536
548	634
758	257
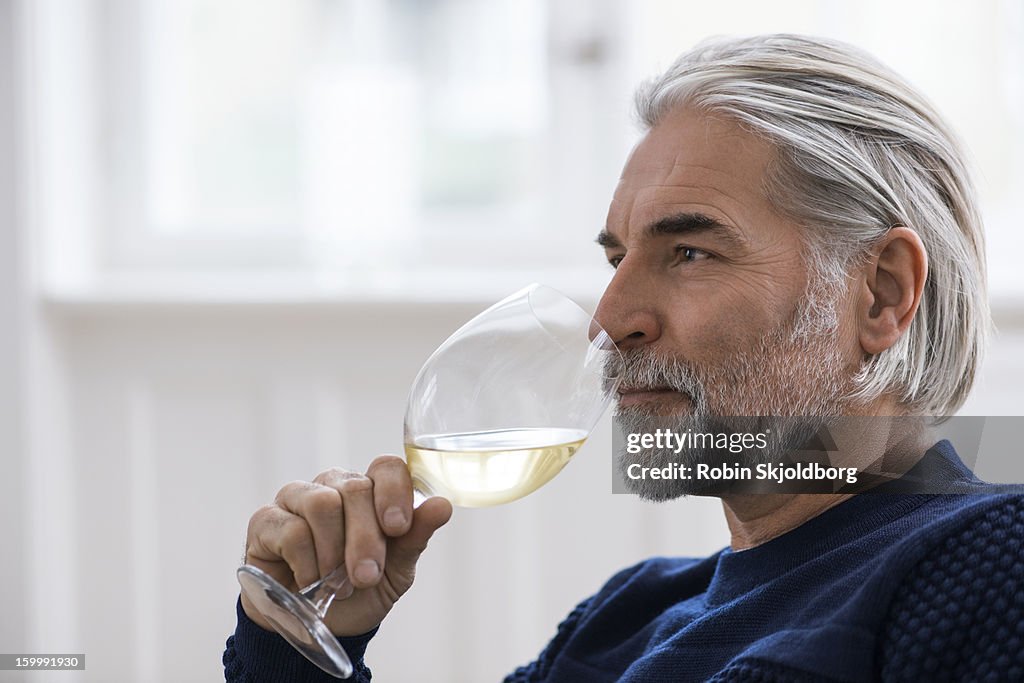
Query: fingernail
394	517
366	571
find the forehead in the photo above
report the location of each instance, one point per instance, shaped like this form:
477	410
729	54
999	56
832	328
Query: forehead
693	161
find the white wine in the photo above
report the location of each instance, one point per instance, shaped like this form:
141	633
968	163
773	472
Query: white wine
476	469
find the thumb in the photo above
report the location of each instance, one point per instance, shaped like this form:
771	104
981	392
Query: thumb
426	519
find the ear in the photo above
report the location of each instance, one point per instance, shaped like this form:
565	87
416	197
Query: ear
893	280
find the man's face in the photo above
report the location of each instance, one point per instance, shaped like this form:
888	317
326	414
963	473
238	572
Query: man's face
709	302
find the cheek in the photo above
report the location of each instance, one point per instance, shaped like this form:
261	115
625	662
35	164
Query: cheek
715	326
711	312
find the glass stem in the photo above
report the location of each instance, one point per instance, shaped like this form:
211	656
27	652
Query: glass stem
323	592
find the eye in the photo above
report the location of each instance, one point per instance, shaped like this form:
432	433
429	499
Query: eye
615	261
686	253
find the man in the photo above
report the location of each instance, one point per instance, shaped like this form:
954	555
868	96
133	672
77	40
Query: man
795	235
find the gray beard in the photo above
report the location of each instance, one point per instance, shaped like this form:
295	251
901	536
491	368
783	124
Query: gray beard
788	387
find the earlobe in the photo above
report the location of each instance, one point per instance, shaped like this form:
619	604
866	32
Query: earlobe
893	282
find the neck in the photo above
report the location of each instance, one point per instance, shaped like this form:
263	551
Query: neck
867	444
757	518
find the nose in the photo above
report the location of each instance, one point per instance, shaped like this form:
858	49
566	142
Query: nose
626	310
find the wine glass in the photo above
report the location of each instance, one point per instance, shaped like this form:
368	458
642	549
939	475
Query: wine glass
495	413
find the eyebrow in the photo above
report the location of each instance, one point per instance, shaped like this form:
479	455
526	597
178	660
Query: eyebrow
689	223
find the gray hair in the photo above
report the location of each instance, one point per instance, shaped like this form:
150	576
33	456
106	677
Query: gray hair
858	152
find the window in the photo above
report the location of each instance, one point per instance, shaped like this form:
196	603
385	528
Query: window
400	141
342	138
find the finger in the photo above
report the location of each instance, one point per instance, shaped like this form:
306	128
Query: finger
275	533
392	493
428	518
365	546
320	506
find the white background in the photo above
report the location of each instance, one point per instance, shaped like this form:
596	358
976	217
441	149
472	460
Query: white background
226	248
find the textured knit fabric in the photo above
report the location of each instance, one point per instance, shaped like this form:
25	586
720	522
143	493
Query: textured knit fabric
885	586
255	655
960	616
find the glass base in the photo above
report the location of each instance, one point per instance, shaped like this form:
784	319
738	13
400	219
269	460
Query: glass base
295	618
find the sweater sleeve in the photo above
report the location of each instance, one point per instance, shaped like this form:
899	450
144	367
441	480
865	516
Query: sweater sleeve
960	613
255	655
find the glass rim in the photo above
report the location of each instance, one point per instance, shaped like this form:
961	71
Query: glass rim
601	341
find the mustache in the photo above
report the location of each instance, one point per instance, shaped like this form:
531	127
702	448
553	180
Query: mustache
641	367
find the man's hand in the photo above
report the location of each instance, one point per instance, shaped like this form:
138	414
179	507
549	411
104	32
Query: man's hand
364	520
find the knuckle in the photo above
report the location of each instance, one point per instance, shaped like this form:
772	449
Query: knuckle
290	488
386	462
330	475
354	483
323	502
266	515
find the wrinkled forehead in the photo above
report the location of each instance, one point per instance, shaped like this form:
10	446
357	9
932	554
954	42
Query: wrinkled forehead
692	157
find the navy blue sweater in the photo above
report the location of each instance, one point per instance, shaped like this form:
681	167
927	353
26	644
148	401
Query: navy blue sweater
885	586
